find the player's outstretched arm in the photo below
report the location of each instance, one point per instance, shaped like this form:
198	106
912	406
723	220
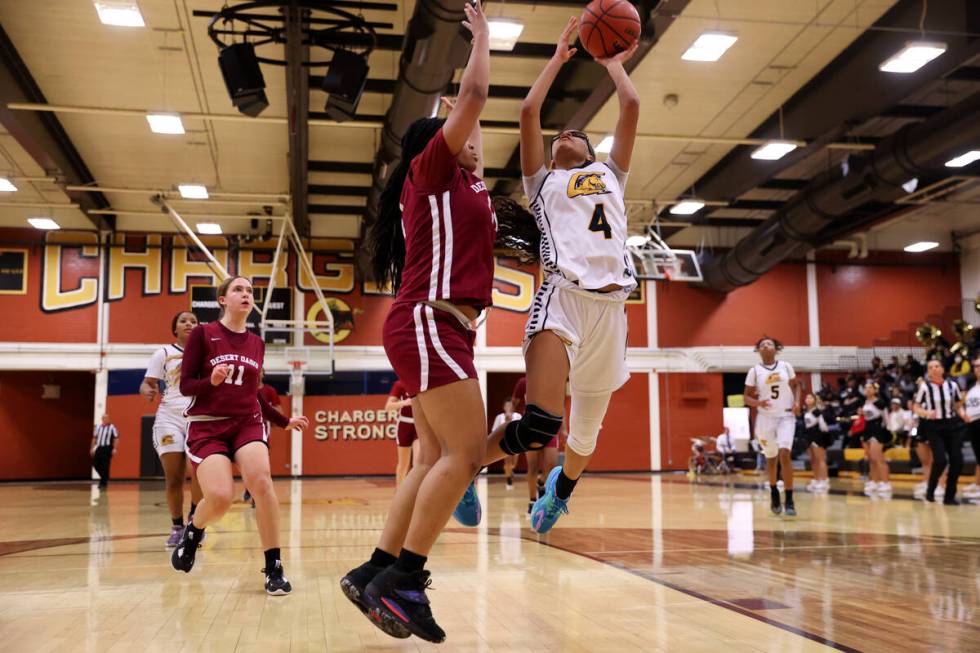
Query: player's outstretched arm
532	147
629	108
474	86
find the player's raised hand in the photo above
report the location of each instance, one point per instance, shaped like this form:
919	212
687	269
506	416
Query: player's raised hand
221	372
620	58
564	52
301	423
476	20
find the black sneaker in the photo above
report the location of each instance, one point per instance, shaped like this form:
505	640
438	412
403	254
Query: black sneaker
776	506
540	488
530	506
353	586
275	581
182	558
790	509
401	596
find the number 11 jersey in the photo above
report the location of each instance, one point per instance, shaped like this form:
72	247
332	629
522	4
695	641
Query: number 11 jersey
581	214
213	344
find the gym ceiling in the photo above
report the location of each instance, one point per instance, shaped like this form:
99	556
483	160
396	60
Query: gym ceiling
76	93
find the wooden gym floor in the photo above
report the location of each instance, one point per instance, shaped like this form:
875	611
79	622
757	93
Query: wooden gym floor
641	564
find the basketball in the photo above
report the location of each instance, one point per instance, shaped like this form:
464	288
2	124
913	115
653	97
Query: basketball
608	27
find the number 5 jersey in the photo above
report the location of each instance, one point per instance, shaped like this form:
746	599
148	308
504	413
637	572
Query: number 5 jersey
772	384
581	214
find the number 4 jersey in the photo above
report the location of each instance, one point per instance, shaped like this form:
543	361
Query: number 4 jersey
581	215
213	344
772	384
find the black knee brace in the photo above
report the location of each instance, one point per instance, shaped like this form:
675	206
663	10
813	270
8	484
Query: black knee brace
531	432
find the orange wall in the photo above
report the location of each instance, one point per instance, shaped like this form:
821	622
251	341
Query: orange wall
127	412
885	303
624	440
46	438
776	304
337	455
690	406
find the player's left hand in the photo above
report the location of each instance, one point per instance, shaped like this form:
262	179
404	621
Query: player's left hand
796	409
620	58
301	423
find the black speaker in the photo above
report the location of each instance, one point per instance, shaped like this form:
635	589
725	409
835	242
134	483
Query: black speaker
243	78
344	81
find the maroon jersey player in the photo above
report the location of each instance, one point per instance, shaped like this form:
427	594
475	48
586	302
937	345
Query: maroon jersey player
400	400
220	371
433	240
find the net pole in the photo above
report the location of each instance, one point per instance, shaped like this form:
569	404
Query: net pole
272	278
213	263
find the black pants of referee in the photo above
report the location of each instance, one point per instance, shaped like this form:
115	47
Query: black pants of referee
944	439
101	461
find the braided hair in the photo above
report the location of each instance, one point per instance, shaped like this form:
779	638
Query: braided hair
386	242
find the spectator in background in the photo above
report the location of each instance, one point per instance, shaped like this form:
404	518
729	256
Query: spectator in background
896	421
725	445
851	398
912	367
972	409
959	371
103	449
818	438
760	458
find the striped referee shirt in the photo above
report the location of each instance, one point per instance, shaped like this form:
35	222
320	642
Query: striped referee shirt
941	398
105	434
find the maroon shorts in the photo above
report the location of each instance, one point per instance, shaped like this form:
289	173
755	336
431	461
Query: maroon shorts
406	434
224	436
552	444
427	348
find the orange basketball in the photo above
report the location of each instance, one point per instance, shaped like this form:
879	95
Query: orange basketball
607	27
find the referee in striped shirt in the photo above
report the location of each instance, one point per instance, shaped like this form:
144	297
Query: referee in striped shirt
939	405
103	449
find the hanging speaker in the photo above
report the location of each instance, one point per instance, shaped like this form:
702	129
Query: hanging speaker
243	78
344	81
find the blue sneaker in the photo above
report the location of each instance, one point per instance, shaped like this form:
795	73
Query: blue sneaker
469	511
548	508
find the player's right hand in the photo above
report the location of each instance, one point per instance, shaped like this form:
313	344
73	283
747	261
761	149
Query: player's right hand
764	403
150	393
220	373
563	52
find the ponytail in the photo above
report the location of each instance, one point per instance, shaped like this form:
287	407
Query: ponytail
517	231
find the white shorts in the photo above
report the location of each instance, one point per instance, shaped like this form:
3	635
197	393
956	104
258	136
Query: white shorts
593	327
169	435
775	432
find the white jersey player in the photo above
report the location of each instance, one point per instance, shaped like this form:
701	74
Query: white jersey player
772	388
170	425
576	332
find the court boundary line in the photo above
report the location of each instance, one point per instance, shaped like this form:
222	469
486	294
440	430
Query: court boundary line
703	597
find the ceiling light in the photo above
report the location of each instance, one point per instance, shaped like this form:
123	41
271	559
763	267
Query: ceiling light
687	207
165	123
193	191
709	46
773	150
121	13
504	33
913	56
637	241
208	228
911	185
959	162
923	246
605	145
6	186
43	223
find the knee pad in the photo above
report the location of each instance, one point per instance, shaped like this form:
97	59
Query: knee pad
585	422
532	432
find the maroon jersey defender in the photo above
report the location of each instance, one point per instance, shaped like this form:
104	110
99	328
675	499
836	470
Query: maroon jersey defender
225	417
449	228
406	422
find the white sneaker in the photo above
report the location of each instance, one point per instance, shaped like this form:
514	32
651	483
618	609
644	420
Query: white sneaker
971	494
779	485
869	488
919	491
885	489
812	485
824	485
972	488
